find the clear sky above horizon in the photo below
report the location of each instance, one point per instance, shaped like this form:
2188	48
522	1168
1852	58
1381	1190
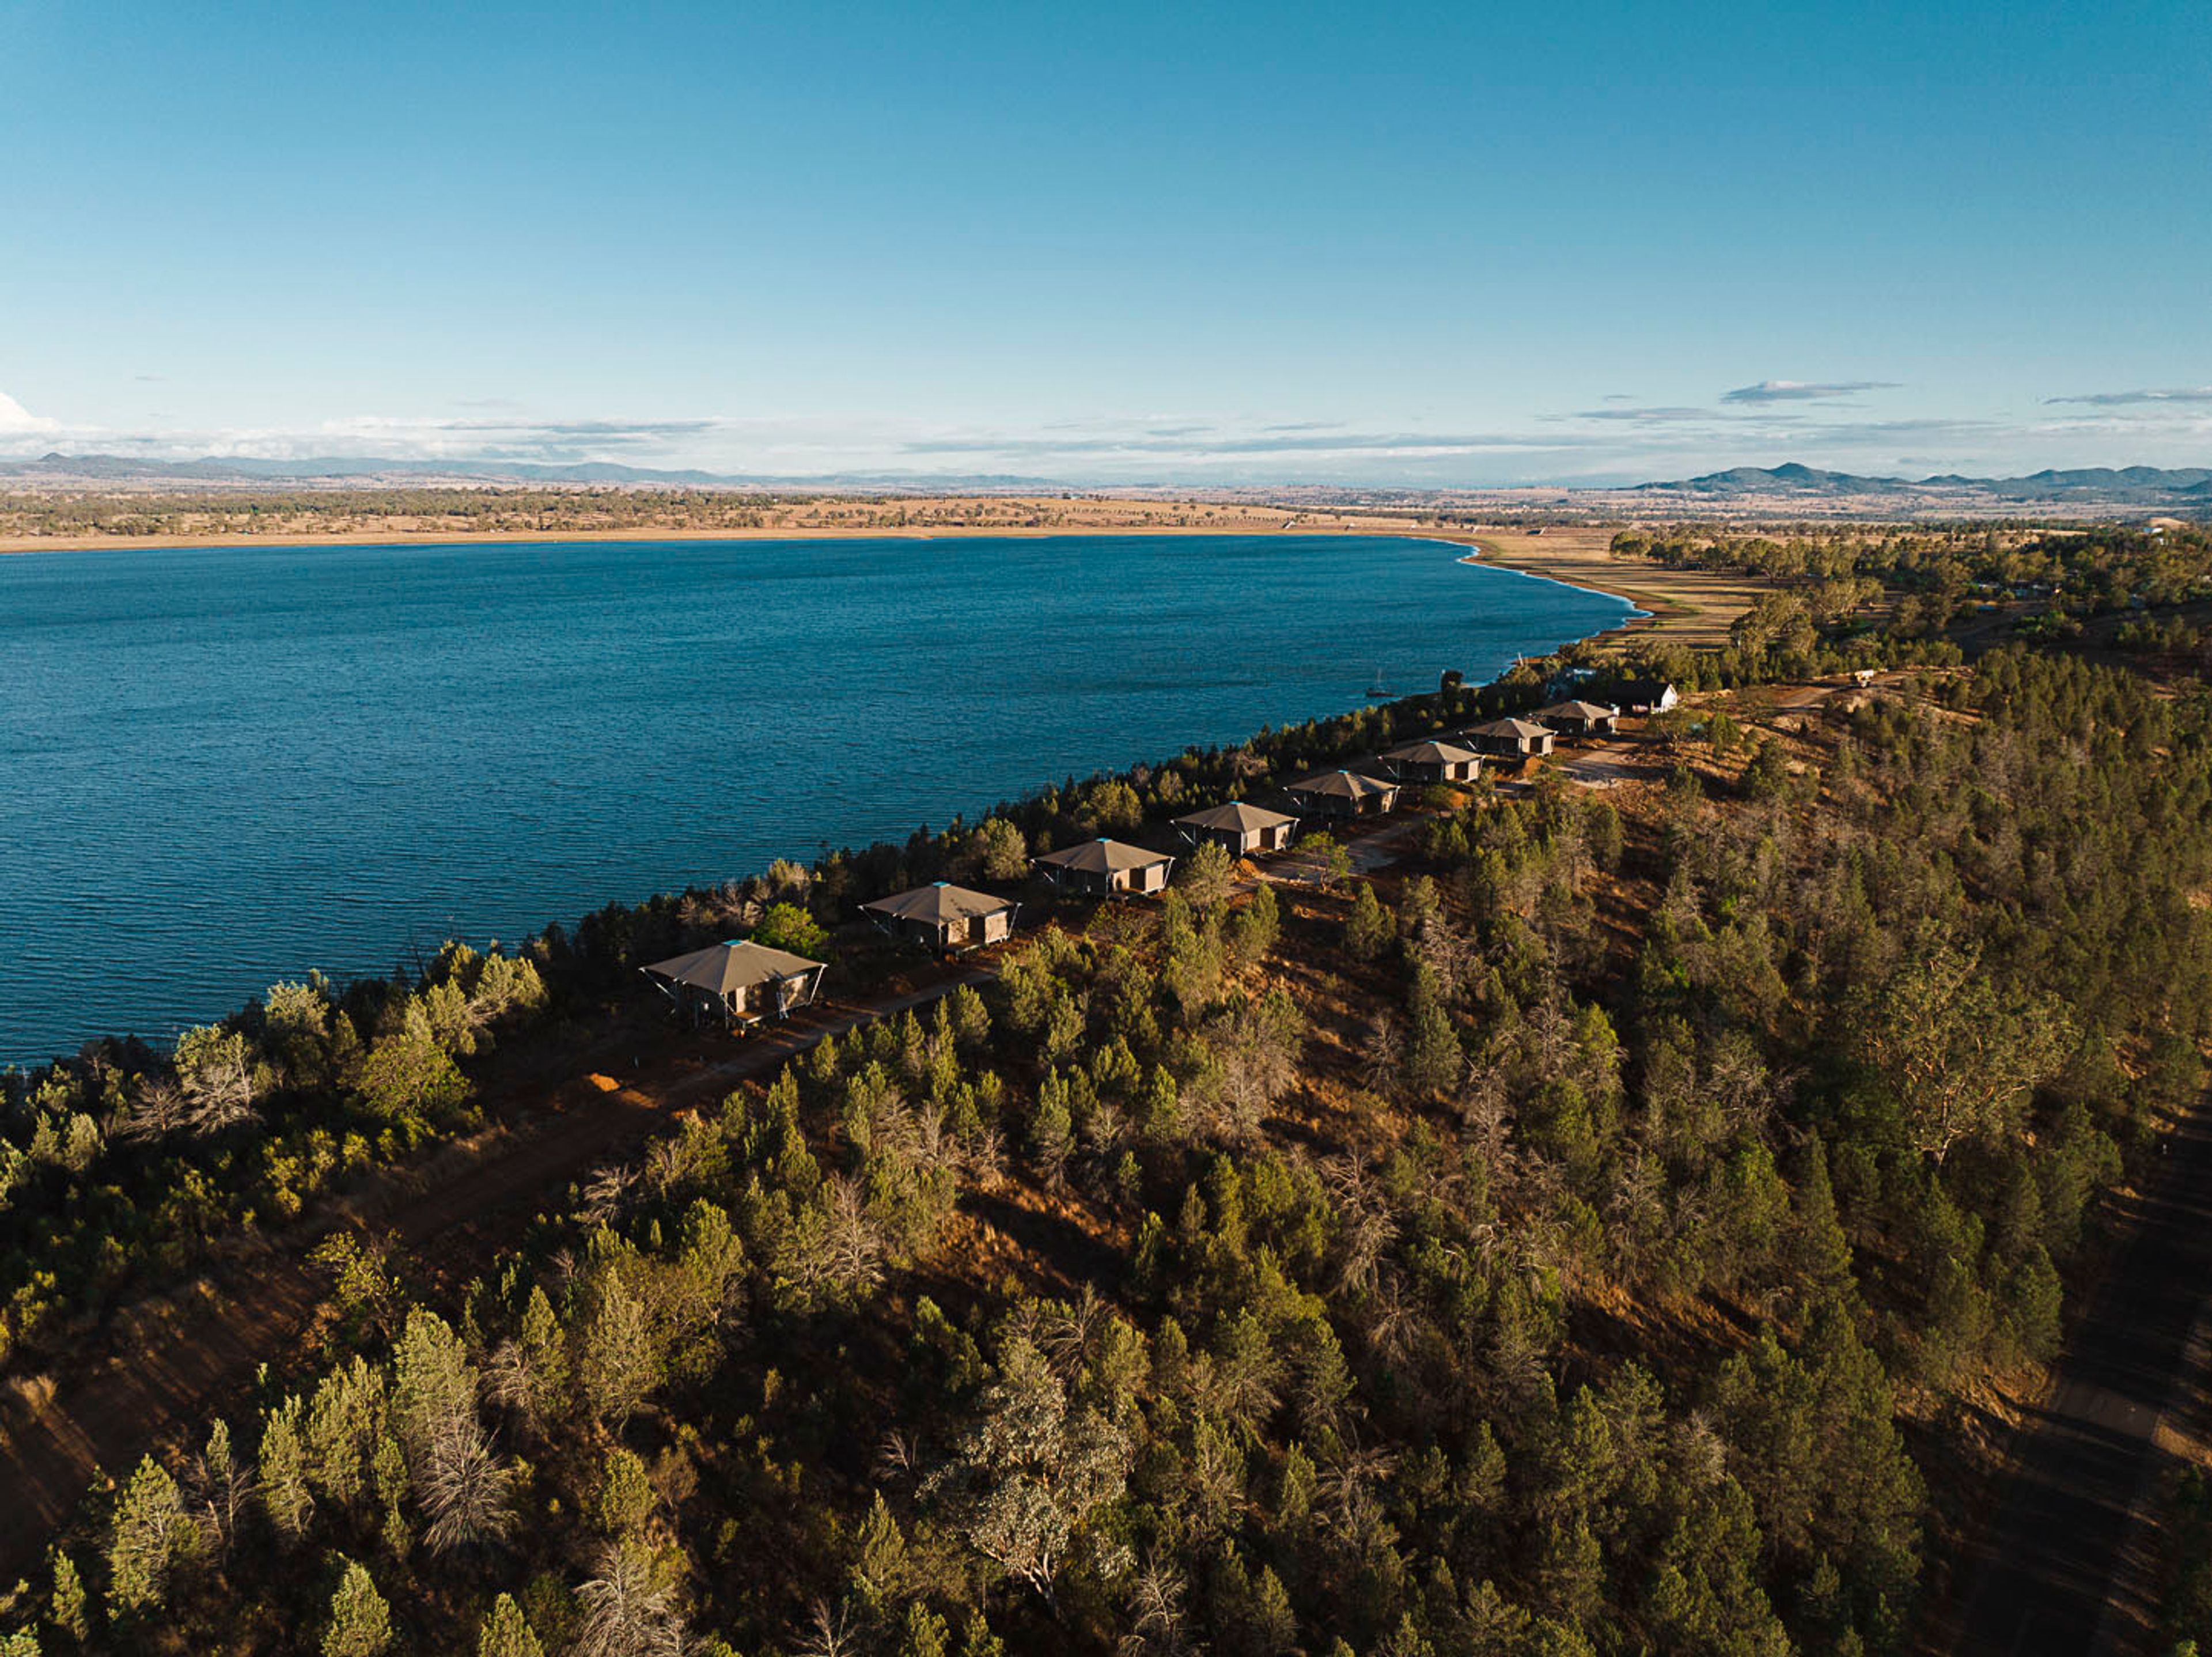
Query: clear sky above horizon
1419	244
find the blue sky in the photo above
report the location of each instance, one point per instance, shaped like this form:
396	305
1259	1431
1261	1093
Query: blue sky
1449	244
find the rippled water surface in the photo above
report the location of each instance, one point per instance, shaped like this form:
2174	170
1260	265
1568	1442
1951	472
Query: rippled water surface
223	767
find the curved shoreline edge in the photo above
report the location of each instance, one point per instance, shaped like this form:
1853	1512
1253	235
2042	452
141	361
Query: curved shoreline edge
1474	552
1479	558
13	544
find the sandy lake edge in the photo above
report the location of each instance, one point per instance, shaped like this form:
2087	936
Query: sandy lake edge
1664	596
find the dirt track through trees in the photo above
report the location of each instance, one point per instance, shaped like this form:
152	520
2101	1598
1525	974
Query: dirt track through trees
256	1309
2057	1578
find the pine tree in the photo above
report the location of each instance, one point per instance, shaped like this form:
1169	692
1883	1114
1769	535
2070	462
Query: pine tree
620	1363
625	1496
1368	927
880	1569
67	1610
224	1486
506	1633
360	1623
388	1469
345	1418
283	1471
1817	1254
147	1537
1255	930
922	1632
1051	1127
1434	1059
976	1639
1206	875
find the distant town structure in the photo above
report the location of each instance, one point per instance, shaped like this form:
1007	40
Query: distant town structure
1579	718
738	983
1106	868
944	918
1240	830
1432	762
1344	794
1514	739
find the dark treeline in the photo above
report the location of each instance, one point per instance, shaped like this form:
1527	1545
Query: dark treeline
1937	575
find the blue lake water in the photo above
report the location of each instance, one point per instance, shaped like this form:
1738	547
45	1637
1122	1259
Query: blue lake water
221	767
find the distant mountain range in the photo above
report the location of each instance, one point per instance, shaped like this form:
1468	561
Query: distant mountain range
329	471
2147	487
1742	491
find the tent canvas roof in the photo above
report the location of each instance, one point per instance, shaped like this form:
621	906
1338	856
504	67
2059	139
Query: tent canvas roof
1104	857
724	967
1236	815
1577	710
1515	727
1431	753
937	903
1348	785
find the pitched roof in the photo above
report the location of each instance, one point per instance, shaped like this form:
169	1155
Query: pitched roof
724	967
1577	710
1236	815
1344	785
938	903
1431	753
1104	856
1514	727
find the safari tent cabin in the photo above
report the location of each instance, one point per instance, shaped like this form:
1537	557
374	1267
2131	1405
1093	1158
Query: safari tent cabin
1646	695
1432	762
1238	829
738	983
1106	868
1579	718
1344	794
1512	739
944	918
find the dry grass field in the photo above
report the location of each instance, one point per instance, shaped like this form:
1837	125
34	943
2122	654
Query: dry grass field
32	522
1689	607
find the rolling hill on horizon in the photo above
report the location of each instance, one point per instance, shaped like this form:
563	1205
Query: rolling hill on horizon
2185	488
2147	485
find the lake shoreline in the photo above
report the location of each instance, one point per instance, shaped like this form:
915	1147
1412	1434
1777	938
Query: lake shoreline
1642	621
10	544
1674	602
1684	605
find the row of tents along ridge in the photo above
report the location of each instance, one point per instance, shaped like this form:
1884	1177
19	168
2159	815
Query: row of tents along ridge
744	983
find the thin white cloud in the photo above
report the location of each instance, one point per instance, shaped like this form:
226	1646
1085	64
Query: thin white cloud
2107	400
1634	442
1803	390
1646	416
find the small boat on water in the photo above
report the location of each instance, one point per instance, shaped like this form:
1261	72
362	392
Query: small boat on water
1379	691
